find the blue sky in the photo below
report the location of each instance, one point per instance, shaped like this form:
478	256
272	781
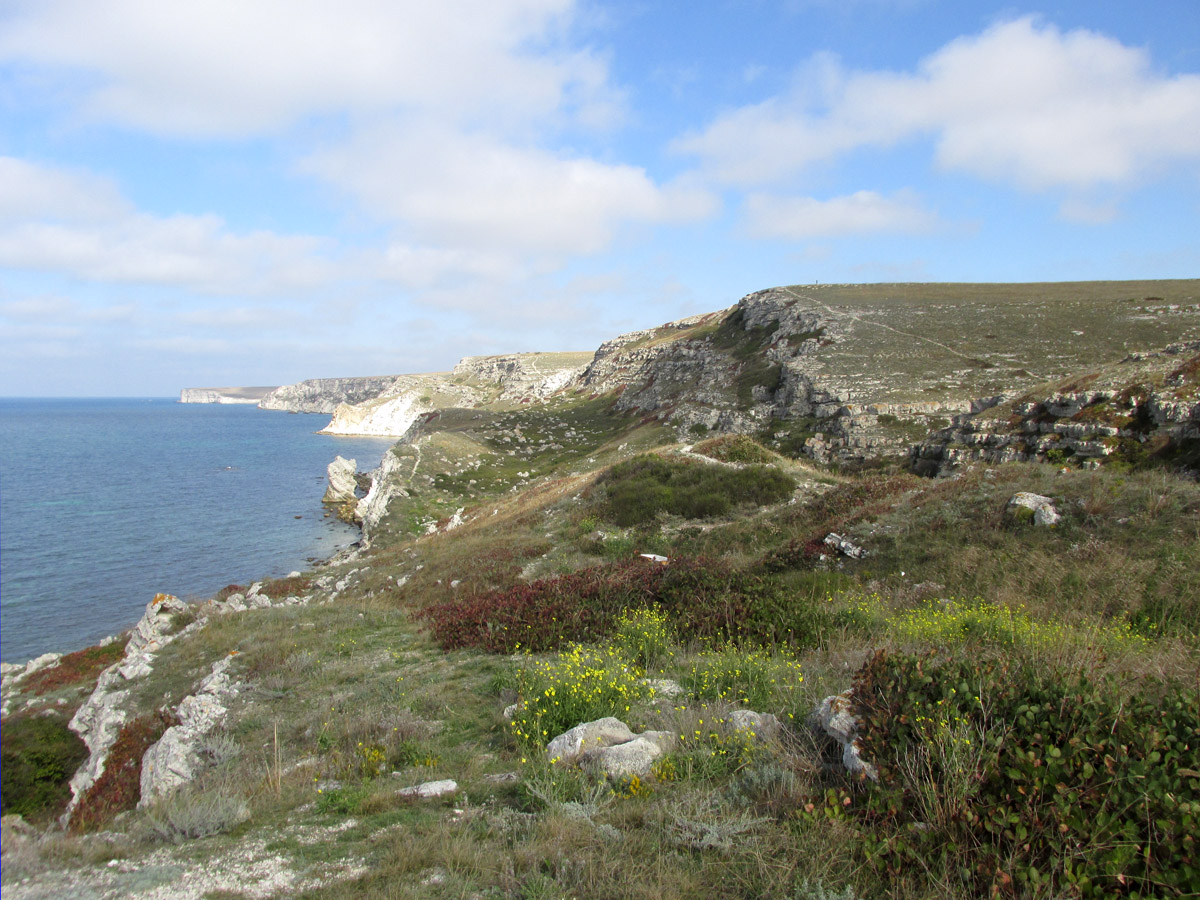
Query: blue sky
224	192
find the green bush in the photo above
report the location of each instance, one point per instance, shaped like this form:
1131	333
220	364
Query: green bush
739	448
638	490
1047	782
40	754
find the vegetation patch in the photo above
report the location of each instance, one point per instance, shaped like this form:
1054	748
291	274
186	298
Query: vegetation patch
736	448
81	667
118	788
639	490
40	754
1011	779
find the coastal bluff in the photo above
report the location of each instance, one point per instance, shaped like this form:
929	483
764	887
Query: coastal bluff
246	395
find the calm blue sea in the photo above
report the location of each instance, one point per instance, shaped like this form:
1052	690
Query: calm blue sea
104	503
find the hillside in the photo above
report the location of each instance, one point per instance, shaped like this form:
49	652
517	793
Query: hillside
832	680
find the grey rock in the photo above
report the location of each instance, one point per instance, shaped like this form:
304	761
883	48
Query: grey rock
1044	513
429	789
764	726
566	748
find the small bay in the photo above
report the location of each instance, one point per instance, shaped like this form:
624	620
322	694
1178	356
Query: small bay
105	502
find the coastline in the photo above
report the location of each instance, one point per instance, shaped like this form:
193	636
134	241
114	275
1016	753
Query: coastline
170	497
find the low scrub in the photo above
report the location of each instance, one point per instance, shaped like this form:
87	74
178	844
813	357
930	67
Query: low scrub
81	667
1010	779
705	599
639	490
118	789
40	754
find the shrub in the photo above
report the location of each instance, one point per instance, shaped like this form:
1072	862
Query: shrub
759	678
40	754
185	815
579	685
644	637
638	490
1079	787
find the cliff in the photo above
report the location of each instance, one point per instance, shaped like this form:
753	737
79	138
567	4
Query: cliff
496	381
1147	406
224	394
322	395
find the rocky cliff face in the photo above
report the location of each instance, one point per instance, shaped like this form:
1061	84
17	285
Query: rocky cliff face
322	395
224	394
1148	405
476	380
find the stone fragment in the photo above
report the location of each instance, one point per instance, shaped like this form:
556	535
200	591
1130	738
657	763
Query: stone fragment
342	482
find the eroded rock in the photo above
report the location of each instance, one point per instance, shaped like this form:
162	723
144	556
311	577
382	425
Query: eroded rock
342	481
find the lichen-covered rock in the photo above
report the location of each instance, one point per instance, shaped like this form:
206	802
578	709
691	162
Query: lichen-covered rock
342	482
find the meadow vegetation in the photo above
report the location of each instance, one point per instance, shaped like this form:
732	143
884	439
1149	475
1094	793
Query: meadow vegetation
1027	695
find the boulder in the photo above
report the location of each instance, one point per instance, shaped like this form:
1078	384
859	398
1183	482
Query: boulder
569	746
1041	509
625	760
342	481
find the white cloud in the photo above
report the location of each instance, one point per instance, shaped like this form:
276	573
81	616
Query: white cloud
1021	102
799	218
458	190
28	190
79	225
230	67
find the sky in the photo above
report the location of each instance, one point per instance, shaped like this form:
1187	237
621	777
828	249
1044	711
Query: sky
223	192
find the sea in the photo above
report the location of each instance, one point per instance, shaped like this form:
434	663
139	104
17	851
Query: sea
106	502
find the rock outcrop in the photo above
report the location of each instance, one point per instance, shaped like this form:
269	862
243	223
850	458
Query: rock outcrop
175	759
322	395
342	481
100	719
1148	405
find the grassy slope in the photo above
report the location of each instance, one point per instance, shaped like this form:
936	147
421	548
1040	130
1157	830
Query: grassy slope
976	340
